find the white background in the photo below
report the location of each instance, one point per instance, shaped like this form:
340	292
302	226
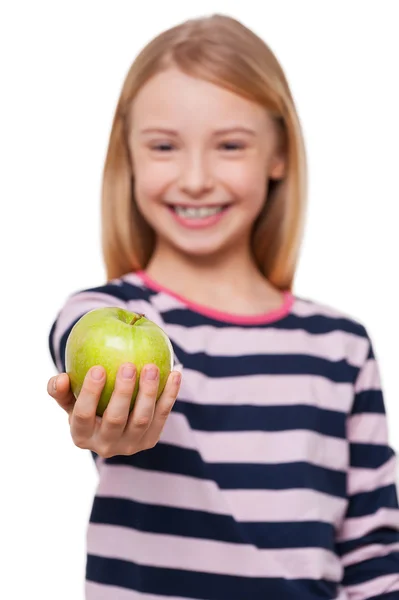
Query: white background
62	68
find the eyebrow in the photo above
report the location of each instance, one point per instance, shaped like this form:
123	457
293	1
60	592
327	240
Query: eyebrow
172	132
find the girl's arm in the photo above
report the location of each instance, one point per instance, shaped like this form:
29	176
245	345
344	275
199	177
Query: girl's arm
369	537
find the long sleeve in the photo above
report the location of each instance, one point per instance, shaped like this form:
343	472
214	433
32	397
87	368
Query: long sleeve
369	537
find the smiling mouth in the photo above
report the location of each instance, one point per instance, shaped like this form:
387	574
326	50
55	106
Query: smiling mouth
200	212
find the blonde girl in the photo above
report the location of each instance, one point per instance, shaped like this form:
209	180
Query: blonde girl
272	477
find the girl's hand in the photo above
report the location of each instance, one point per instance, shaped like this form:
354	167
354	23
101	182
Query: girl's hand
117	432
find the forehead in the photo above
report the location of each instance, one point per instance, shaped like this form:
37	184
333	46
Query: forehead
174	98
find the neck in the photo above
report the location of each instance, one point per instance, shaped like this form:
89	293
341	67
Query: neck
232	279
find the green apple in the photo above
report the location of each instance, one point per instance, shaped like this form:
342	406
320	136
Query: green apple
109	337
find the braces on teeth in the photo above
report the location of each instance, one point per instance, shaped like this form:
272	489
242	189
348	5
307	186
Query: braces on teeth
197	213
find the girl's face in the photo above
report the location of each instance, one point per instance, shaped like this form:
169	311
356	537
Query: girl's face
202	157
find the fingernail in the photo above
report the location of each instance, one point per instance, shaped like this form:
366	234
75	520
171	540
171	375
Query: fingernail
151	373
127	372
177	378
55	383
96	374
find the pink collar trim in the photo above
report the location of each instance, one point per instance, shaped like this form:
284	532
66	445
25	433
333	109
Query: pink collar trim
269	317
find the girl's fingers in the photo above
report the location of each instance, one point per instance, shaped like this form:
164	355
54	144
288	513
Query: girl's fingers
58	387
117	429
162	409
83	417
143	411
117	412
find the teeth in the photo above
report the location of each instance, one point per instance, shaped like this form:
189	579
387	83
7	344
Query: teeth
197	213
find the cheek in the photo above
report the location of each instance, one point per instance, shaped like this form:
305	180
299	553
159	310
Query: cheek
248	183
151	177
149	182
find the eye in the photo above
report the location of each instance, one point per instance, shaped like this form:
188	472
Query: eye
164	147
233	146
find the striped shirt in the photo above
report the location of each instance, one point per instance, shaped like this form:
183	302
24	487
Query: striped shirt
273	477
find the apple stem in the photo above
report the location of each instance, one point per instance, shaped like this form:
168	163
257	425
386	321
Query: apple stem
135	319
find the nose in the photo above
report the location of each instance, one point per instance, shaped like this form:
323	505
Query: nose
196	178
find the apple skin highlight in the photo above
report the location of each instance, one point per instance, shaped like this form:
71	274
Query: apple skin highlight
109	337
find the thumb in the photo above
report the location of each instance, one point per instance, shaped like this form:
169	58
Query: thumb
58	387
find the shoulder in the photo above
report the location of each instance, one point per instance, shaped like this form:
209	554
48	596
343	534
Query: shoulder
127	292
332	317
344	334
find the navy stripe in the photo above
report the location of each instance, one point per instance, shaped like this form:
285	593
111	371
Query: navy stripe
204	525
369	401
388	596
211	417
369	456
136	292
203	586
123	291
172	459
372	568
367	503
312	324
383	535
271	364
51	341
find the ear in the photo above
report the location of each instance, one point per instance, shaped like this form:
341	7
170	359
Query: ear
277	167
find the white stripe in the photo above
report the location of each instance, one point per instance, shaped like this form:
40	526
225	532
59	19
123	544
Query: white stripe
369	480
266	390
310	308
356	527
368	428
209	556
369	377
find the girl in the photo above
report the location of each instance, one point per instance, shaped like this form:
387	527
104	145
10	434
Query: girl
272	477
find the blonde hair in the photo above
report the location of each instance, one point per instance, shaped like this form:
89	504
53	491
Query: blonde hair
223	51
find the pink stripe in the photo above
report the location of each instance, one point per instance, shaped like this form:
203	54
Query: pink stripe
208	556
309	308
369	377
164	303
368	428
374	588
367	552
368	480
96	591
266	390
180	491
257	446
269	317
235	341
358	527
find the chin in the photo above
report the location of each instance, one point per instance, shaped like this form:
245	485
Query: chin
204	249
